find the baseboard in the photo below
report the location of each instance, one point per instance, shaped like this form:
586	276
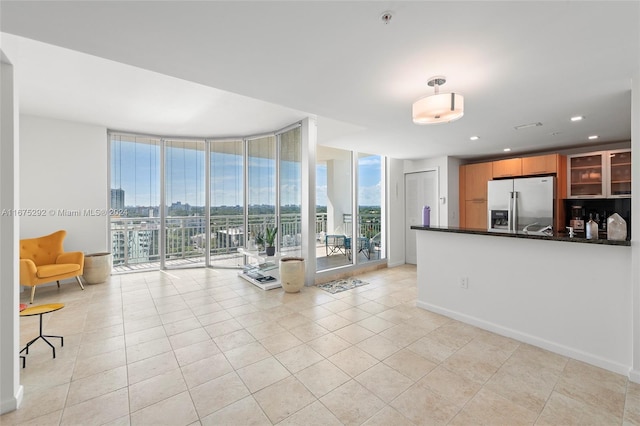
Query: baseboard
394	264
634	376
533	340
12	403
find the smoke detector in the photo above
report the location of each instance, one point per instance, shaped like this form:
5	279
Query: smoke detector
386	17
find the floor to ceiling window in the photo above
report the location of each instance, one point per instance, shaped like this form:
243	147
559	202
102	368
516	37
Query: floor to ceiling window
184	219
222	195
226	166
218	196
261	189
343	240
135	200
334	202
369	245
290	195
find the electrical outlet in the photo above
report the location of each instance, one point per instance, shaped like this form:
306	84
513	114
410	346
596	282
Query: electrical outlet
464	282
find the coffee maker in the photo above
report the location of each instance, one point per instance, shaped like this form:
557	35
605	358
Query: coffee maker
577	219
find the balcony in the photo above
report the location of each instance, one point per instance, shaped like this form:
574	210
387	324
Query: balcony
136	241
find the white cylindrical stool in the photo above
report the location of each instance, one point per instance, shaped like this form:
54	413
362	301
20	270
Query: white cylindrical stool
292	274
97	267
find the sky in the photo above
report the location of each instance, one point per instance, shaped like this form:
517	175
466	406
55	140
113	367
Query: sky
135	167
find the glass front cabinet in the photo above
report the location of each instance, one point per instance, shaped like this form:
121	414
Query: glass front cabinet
586	175
602	174
619	168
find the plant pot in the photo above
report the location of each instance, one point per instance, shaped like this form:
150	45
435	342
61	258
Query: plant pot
292	274
271	251
97	267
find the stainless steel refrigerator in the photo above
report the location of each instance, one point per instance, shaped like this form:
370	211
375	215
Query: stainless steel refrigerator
522	205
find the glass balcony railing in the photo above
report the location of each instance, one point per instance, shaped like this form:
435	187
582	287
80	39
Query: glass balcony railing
136	241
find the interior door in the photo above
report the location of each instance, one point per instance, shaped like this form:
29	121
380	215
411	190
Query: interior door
421	189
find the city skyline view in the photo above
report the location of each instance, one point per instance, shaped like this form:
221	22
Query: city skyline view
135	168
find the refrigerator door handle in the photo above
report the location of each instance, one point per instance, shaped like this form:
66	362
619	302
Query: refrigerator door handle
510	212
515	211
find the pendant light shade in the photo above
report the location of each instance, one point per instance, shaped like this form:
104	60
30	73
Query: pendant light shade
438	108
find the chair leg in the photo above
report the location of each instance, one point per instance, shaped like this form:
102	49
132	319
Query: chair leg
79	281
58	284
33	293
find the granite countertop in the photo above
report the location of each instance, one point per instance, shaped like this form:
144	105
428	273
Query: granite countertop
554	237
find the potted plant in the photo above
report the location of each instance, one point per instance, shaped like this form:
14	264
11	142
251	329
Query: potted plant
270	239
259	240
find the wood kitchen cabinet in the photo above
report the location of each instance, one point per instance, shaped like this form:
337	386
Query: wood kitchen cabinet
511	167
473	194
475	182
476	214
474	178
540	165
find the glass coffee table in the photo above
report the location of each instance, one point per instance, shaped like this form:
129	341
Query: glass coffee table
41	310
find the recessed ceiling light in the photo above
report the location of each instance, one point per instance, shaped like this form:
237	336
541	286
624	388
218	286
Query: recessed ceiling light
474	138
592	137
507	149
577	118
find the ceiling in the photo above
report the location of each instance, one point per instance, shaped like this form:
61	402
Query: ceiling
213	68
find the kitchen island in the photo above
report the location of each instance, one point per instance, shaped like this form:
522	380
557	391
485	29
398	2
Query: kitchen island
549	291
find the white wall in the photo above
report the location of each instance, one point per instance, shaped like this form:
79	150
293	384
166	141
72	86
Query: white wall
63	166
395	213
339	192
309	135
570	298
453	198
448	182
10	390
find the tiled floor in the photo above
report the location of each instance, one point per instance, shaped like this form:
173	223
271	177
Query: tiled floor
199	346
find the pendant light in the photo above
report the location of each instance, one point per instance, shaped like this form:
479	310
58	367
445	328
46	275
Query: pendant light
439	107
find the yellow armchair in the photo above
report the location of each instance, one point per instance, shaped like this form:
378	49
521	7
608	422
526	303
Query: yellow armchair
43	260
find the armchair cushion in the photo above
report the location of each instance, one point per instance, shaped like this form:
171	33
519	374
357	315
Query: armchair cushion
50	271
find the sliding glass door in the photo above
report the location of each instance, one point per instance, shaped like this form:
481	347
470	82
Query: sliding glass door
185	226
261	188
342	182
226	167
135	201
334	208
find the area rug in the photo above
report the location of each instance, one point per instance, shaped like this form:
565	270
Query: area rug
337	286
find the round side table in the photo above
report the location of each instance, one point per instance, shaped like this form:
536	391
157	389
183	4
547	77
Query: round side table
41	310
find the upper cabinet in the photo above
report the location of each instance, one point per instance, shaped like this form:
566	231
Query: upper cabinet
619	172
476	177
585	175
540	165
602	174
507	168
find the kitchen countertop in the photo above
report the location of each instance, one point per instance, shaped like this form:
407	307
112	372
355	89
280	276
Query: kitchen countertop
554	237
